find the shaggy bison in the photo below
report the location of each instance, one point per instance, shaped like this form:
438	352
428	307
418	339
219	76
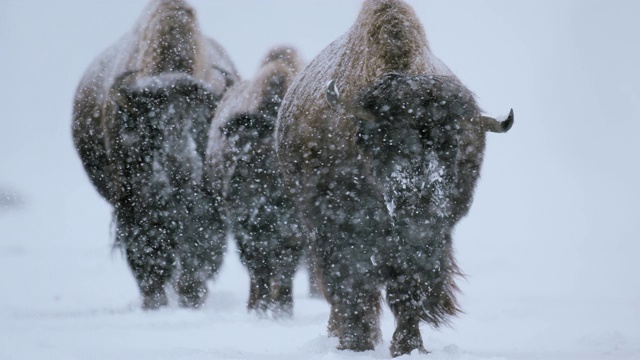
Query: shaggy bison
381	146
244	172
140	118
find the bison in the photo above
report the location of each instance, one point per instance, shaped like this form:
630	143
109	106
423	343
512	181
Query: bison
381	146
244	173
140	118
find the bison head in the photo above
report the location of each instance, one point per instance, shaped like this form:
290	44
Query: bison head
410	129
159	132
250	151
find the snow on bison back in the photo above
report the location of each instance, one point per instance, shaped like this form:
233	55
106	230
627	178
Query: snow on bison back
140	119
381	145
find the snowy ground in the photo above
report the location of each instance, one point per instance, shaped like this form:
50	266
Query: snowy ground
550	247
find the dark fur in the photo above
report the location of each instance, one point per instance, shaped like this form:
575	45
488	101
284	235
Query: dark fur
259	212
380	195
164	218
416	115
141	115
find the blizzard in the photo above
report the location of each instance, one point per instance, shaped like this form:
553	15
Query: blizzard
550	246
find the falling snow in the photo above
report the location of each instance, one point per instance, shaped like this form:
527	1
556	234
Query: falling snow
556	196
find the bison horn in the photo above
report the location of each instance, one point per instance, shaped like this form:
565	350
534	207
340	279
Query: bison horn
332	96
228	79
497	126
121	89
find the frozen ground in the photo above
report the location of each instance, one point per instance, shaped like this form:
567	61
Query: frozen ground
550	247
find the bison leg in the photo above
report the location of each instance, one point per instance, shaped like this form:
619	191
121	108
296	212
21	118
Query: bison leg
358	318
202	244
259	296
191	288
314	284
199	264
282	296
192	292
343	254
407	336
152	264
353	292
421	287
355	312
285	262
210	230
254	255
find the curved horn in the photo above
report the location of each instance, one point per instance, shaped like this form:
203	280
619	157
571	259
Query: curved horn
123	79
121	89
334	100
492	125
227	77
333	94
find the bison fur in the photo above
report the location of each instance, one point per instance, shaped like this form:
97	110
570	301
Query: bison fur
140	119
244	172
381	146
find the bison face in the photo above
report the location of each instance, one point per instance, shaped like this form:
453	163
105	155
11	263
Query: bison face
424	136
250	152
159	143
409	130
411	135
410	116
253	191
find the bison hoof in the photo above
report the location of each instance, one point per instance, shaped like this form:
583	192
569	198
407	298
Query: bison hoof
282	311
154	301
259	306
193	299
356	343
400	348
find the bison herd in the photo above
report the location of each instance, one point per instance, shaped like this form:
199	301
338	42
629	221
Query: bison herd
361	162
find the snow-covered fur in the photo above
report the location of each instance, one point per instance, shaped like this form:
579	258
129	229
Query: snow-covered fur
382	179
244	173
140	118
